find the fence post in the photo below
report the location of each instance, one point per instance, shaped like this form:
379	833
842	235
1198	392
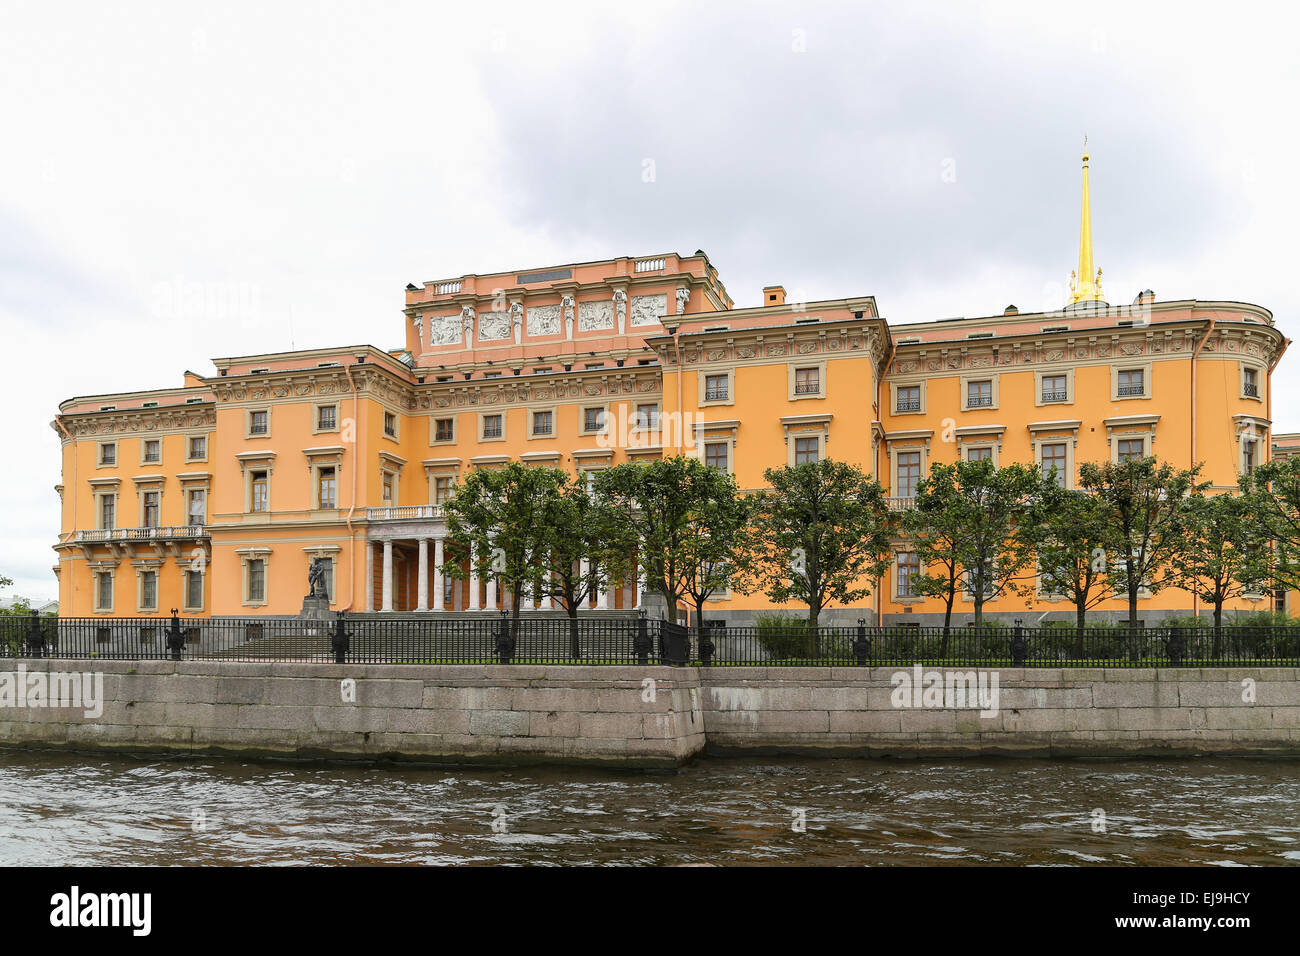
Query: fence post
1019	646
641	643
175	640
340	642
1176	647
505	640
35	639
706	645
862	643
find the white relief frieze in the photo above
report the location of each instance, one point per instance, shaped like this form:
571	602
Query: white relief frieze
595	316
544	320
646	309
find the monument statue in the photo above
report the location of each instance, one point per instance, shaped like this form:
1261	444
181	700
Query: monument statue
316	579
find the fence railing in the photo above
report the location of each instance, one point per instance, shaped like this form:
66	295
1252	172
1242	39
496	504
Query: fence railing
492	638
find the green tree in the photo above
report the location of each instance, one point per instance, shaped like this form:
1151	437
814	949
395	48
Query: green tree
1070	540
500	513
1223	558
658	506
973	522
577	526
1273	493
1145	503
715	550
820	535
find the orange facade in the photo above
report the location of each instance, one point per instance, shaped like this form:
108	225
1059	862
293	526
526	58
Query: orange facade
214	498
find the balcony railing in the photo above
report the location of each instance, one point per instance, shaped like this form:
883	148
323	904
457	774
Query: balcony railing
1127	391
1251	391
807	388
1055	396
908	405
143	534
403	512
901	503
447	288
649	265
979	401
715	394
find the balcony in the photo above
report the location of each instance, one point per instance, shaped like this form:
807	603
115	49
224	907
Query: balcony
807	388
979	401
162	533
903	503
908	405
715	394
1055	396
1132	391
404	513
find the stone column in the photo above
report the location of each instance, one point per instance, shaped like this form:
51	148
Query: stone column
492	594
422	586
584	568
370	575
473	581
640	582
544	599
438	587
388	577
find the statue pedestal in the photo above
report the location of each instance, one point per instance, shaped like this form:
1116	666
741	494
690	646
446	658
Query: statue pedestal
316	610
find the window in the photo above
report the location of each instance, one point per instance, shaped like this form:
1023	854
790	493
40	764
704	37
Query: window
979	394
259	422
491	426
1248	457
806	450
715	455
151	451
256	580
1250	383
909	473
388	487
327	487
444	429
909	565
442	489
390	424
108	453
1131	382
979	454
197	506
1054	463
108	512
327	418
908	398
807	381
148	590
496	374
716	388
259	494
593	419
150	508
543	423
1055	389
1130	449
198	448
647	417
104	591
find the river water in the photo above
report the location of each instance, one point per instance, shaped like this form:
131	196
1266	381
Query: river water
58	808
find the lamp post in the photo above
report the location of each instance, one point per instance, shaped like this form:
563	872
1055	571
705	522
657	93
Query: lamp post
175	639
861	643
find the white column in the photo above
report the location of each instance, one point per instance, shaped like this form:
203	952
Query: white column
584	568
370	576
544	599
473	581
492	594
437	575
388	577
640	582
422	586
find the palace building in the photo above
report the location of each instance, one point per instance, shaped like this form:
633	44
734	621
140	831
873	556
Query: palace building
215	496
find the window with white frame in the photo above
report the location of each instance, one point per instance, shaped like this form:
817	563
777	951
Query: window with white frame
149	590
150	451
807	450
103	590
108	453
1055	462
193	590
907	568
197	448
909	473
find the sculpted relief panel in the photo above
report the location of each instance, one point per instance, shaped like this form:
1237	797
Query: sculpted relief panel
646	309
444	330
544	320
594	316
493	326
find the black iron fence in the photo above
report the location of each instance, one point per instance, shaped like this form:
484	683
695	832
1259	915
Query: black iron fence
490	638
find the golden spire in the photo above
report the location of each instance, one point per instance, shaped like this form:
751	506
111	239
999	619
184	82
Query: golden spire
1085	285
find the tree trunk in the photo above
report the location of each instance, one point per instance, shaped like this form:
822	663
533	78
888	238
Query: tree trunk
1218	628
947	622
814	616
575	646
1080	621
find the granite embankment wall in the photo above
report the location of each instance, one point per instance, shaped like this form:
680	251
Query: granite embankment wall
648	716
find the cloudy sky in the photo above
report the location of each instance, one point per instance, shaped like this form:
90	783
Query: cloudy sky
182	181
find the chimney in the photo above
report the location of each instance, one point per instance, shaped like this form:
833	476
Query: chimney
1145	297
774	295
1011	310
